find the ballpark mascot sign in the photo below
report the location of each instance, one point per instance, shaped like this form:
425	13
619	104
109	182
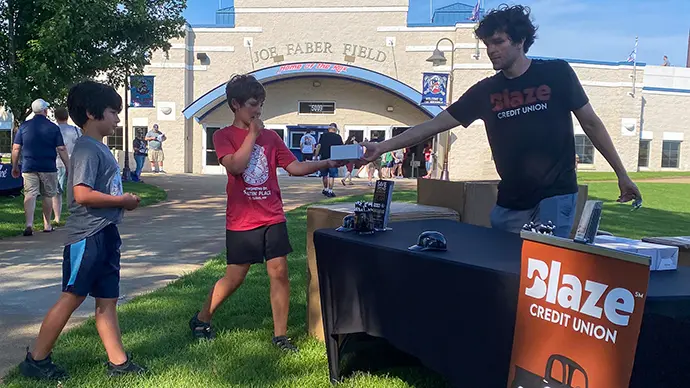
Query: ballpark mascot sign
434	89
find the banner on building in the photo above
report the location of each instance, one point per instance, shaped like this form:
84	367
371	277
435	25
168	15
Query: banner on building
434	89
141	91
578	317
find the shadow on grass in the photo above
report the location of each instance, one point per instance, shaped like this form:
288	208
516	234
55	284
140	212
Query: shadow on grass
155	329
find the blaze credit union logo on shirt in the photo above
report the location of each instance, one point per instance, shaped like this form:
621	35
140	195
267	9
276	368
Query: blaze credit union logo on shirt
578	318
513	103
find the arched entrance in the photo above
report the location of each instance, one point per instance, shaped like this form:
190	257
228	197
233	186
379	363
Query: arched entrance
368	103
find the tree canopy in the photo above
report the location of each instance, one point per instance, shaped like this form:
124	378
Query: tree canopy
48	45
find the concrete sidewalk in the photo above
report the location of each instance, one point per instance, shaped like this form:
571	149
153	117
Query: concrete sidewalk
160	243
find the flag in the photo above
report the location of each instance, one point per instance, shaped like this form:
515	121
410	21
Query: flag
633	55
475	12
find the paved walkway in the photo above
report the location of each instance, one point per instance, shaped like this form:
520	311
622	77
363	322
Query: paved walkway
160	243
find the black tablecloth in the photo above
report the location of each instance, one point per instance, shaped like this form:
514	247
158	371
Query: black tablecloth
455	310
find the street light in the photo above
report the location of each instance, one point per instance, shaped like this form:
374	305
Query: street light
438	58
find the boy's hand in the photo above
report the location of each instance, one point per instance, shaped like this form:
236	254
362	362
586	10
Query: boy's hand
130	201
256	126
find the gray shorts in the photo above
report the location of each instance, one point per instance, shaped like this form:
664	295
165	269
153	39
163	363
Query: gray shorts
43	183
560	210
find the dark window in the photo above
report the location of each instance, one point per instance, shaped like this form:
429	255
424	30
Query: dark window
295	138
670	154
5	142
140	131
211	157
115	140
643	156
357	133
584	149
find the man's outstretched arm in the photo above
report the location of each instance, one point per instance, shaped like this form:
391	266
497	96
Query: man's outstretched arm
414	135
596	131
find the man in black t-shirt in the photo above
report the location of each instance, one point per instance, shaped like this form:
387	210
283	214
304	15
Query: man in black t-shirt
323	149
526	108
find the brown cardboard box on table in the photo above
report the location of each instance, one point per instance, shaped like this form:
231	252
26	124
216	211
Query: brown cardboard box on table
475	199
331	216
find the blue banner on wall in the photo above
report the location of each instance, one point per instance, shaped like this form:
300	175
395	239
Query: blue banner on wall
434	89
141	90
8	184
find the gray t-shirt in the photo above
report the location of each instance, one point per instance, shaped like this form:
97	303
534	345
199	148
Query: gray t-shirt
92	164
70	134
155	144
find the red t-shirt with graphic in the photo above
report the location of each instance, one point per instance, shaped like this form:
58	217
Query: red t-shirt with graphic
254	196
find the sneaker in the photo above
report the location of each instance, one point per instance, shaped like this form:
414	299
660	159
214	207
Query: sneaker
127	368
29	231
43	369
201	330
324	192
284	344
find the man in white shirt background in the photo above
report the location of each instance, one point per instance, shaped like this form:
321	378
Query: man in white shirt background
70	134
306	145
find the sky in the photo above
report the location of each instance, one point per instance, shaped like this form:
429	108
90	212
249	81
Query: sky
602	30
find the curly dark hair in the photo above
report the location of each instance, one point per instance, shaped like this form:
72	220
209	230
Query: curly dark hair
242	87
513	20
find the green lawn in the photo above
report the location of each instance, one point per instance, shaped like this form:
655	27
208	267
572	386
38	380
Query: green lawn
12	221
155	325
585	176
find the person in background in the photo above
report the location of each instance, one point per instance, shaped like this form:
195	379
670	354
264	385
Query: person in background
323	149
39	141
350	165
398	159
140	152
156	138
375	165
306	145
387	165
70	134
427	160
666	61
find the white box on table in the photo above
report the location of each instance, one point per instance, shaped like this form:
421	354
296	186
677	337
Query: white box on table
663	257
347	152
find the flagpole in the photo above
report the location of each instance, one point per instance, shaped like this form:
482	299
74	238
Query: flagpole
634	67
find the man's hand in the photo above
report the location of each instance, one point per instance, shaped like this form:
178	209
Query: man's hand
336	163
629	190
372	151
16	172
256	126
130	201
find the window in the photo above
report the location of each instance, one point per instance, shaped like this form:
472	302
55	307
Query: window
295	138
643	156
357	133
381	135
115	140
211	156
5	142
584	149
670	154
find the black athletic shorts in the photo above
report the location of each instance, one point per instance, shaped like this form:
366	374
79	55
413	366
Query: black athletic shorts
256	245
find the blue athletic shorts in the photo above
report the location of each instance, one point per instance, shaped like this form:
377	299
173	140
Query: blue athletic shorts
92	266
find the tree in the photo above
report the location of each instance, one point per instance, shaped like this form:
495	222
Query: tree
48	45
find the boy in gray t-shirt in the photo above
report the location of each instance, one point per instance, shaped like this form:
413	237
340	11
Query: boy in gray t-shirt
91	258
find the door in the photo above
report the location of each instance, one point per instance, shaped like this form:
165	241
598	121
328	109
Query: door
209	159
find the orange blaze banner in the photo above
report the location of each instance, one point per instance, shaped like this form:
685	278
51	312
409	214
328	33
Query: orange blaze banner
578	318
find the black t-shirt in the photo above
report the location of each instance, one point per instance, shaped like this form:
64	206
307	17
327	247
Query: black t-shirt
327	140
530	130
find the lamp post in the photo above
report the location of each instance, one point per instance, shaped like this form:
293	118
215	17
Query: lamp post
126	172
438	58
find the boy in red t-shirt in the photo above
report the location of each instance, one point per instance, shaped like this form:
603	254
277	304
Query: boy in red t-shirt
255	223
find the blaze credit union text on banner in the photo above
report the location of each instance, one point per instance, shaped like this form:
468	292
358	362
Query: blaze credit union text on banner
578	318
434	89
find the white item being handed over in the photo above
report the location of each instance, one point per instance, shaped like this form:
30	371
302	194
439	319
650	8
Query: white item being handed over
347	152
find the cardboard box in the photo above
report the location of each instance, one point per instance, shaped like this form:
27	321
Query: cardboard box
474	200
682	242
331	216
664	257
347	152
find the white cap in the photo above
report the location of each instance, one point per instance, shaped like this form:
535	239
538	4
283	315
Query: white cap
39	105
